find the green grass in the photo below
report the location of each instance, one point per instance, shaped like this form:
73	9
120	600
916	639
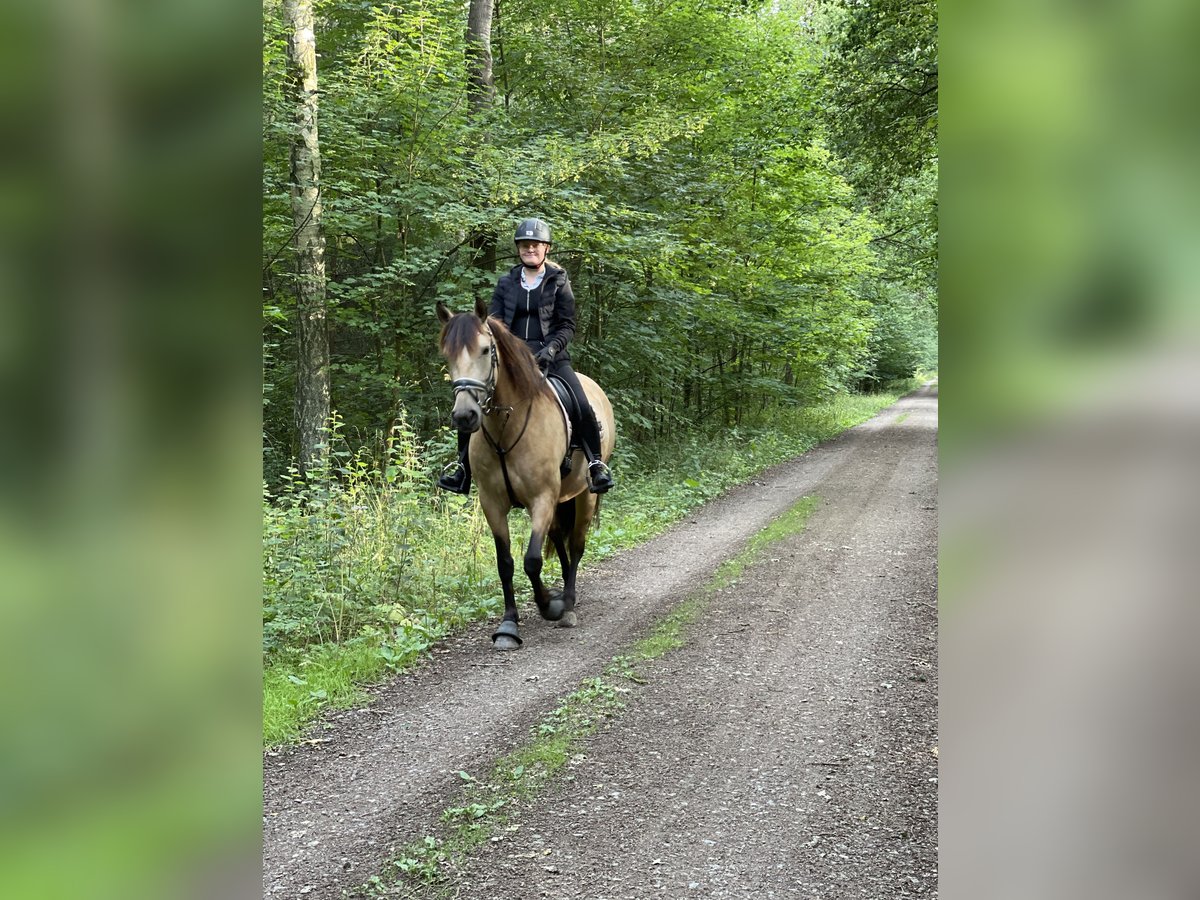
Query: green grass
659	486
330	676
488	805
364	572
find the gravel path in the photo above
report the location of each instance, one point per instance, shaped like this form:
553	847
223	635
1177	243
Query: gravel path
787	750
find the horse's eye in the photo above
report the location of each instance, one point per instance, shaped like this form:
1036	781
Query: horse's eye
483	352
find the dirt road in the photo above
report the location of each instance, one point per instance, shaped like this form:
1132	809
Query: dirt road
787	749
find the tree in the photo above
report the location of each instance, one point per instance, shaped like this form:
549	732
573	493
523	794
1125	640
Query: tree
479	54
881	90
726	241
883	84
480	93
312	358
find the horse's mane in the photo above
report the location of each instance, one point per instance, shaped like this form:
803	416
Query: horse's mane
518	363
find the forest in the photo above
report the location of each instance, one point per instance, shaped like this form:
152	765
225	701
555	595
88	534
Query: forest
744	196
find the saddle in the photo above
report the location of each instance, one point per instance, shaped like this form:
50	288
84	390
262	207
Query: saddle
570	411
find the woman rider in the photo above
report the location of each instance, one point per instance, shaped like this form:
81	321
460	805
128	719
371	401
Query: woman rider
535	301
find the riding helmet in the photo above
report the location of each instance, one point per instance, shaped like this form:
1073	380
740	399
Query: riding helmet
532	230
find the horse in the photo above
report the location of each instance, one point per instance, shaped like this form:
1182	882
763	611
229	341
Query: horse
518	449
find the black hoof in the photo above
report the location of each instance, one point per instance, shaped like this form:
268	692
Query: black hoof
507	636
554	609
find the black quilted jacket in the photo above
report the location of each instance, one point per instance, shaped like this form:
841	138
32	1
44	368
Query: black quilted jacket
556	313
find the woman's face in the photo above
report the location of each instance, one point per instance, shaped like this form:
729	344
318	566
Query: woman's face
532	253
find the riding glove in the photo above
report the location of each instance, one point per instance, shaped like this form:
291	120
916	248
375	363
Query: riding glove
545	356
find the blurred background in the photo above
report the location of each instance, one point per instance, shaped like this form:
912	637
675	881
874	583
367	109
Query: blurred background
130	218
1070	442
129	494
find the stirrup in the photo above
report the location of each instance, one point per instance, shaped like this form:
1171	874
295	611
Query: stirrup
455	479
599	477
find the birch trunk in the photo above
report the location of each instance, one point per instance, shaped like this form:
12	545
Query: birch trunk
312	360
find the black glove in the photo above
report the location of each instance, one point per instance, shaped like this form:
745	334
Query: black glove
545	356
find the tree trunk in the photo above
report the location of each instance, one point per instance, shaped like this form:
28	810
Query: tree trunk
481	92
507	92
312	360
479	55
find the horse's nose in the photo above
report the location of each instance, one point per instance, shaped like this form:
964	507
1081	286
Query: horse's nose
465	420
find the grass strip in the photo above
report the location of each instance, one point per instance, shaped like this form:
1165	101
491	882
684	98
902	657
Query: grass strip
489	805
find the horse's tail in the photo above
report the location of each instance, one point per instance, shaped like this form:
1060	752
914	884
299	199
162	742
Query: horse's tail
596	515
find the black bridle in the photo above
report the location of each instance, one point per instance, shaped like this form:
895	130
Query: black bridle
482	392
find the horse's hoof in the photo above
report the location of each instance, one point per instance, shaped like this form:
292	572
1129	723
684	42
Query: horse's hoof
507	636
568	620
554	609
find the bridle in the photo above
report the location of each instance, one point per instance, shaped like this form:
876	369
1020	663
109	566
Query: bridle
482	392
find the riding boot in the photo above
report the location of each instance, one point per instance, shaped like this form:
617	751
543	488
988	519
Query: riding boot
457	476
599	476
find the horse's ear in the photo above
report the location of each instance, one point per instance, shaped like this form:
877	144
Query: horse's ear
443	313
481	308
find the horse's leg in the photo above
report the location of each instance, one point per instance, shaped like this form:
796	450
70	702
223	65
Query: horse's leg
585	507
507	636
565	529
560	548
541	514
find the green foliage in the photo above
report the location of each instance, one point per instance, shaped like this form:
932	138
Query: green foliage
882	78
356	545
723	262
903	341
880	101
365	556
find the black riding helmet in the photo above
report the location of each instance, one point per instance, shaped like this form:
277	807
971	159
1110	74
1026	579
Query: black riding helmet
533	230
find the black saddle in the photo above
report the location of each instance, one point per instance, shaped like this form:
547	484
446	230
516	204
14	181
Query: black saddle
569	404
572	408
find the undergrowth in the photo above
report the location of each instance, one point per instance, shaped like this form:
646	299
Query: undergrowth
366	566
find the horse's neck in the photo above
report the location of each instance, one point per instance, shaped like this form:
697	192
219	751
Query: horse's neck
506	398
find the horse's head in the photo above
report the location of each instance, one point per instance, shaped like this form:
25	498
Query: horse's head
470	352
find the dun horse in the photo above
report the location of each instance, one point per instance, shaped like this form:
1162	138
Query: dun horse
517	451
